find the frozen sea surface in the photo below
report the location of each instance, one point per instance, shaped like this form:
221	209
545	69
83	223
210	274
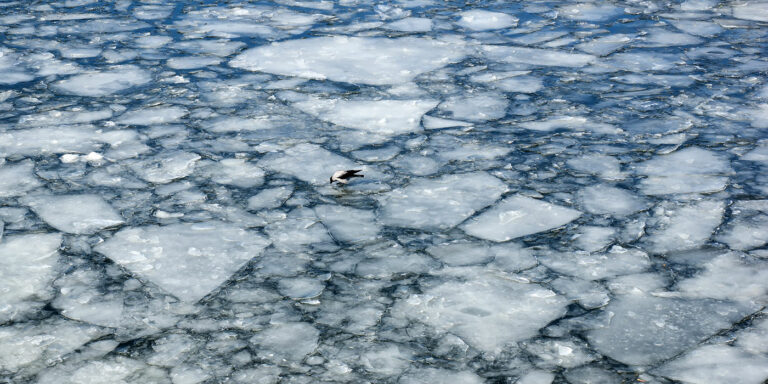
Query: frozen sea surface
554	192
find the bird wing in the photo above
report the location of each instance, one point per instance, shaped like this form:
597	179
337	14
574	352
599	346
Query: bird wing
352	171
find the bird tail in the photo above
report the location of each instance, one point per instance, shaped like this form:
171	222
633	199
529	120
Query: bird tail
357	176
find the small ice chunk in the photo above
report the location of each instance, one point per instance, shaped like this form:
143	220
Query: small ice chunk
637	284
759	154
440	203
390	360
519	84
481	20
729	277
49	340
411	24
375	61
536	377
171	350
349	224
607	167
590	11
687	170
300	288
286	341
717	364
645	329
657	37
458	254
750	10
518	216
597	266
477	108
192	62
559	353
104	83
64	117
605	45
592	239
536	56
166	167
300	228
237	172
431	122
487	312
578	123
79	214
45	140
759	116
27	265
389	259
270	198
602	199
187	260
17	179
384	117
687	227
746	233
307	162
437	375
698	27
588	294
153	115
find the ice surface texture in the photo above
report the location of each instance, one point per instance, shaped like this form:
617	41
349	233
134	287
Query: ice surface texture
554	192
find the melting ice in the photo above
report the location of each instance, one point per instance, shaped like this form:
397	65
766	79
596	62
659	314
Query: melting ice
554	192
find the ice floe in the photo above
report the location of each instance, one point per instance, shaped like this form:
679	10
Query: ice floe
80	214
351	59
104	83
479	314
170	256
440	203
518	216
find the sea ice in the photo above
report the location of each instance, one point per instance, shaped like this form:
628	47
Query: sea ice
79	214
269	198
717	364
480	20
605	45
590	11
686	227
607	167
536	56
730	276
602	199
17	179
166	167
192	62
440	203
104	83
153	115
237	172
476	108
27	267
689	170
487	312
22	345
411	24
300	228
588	294
286	341
597	266
387	259
559	353
518	216
307	162
187	260
437	375
373	61
384	117
349	224
645	330
749	10
592	238
746	233
577	123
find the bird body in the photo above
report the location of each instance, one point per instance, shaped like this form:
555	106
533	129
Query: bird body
343	177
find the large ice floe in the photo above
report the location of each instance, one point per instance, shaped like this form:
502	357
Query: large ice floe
553	192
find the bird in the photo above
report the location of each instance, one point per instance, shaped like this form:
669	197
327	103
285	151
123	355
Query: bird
344	176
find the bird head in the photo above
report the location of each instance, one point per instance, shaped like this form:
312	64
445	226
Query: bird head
331	179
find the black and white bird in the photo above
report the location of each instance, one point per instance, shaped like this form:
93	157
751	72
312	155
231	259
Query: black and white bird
344	176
